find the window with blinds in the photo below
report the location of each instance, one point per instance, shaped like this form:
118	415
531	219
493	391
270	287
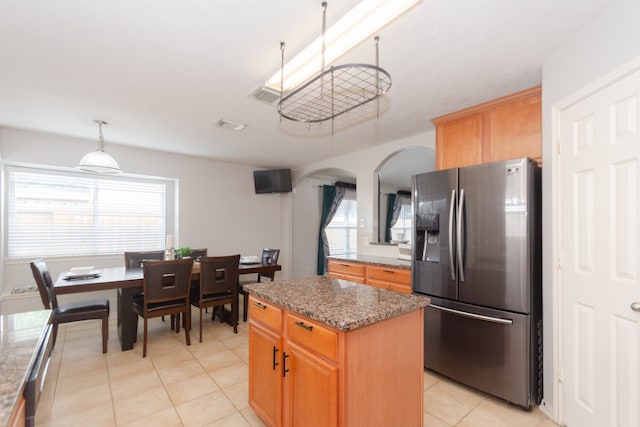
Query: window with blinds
342	231
404	223
53	213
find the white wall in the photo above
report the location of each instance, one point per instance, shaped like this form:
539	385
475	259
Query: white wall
218	208
364	165
600	47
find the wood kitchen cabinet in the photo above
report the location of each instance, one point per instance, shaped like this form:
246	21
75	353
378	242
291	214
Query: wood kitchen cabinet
351	271
502	129
307	374
396	279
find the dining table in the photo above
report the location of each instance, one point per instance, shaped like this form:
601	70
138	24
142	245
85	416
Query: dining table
128	283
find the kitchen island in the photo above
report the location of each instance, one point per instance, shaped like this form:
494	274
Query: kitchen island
328	352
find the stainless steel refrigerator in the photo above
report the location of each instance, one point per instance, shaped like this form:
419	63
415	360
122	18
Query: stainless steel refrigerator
477	255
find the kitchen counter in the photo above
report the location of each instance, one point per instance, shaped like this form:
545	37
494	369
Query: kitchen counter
375	260
20	337
337	303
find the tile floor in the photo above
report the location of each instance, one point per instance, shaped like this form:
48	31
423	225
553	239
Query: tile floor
204	384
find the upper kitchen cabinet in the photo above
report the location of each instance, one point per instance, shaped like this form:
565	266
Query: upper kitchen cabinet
502	129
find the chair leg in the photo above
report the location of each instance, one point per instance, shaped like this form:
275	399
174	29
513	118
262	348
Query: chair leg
187	333
54	335
177	321
201	323
105	333
144	339
245	306
235	305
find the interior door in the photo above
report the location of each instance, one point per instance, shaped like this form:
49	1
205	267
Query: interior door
598	243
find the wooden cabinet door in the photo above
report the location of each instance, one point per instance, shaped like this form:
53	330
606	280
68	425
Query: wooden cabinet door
514	130
459	142
265	374
311	390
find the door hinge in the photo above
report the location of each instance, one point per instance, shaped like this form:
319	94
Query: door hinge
559	262
560	375
557	148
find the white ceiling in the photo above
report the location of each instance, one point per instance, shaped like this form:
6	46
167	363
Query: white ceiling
161	72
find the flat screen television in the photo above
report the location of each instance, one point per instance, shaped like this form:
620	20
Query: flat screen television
272	181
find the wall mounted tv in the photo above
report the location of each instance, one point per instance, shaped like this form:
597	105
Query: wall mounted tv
272	181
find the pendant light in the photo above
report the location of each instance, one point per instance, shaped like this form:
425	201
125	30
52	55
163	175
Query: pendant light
98	161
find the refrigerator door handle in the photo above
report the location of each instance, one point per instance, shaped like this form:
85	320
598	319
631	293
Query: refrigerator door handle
459	224
452	267
473	315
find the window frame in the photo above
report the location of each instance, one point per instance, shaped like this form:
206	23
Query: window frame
349	195
170	201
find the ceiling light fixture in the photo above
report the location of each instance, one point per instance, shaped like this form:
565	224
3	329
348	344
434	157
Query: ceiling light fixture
230	124
98	161
368	17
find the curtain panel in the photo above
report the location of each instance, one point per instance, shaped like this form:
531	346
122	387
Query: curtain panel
331	198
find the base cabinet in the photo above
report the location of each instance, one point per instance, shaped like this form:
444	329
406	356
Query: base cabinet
303	373
311	389
396	279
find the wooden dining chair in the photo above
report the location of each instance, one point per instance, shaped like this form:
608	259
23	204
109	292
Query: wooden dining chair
269	257
136	259
70	312
218	286
165	291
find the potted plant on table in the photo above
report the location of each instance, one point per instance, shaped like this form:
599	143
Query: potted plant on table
183	252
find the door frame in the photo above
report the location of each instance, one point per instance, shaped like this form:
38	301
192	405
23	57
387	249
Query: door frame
595	86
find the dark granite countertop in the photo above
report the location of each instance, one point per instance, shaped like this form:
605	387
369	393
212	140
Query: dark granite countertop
375	260
337	303
20	335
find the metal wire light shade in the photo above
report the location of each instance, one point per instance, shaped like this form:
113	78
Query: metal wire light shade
334	92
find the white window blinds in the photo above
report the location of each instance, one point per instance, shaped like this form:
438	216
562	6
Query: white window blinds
51	213
342	231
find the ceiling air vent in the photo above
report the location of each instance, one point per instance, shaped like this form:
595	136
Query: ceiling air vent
265	94
230	124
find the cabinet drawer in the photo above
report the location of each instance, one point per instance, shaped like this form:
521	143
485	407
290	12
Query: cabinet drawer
266	314
356	279
349	268
388	274
315	337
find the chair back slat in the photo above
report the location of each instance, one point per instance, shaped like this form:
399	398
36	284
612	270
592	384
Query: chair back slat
166	280
45	284
269	257
218	274
135	259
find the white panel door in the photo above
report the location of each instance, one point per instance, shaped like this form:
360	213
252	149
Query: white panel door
599	196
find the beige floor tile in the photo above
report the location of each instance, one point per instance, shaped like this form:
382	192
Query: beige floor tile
98	416
237	341
450	402
81	380
191	388
208	347
238	394
230	375
79	400
205	409
431	421
141	405
252	418
496	414
135	384
180	371
547	422
215	361
167	418
242	353
430	379
234	420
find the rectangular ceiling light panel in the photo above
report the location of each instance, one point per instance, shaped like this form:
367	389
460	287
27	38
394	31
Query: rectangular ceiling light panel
361	22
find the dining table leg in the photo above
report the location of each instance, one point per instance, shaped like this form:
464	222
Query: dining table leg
126	321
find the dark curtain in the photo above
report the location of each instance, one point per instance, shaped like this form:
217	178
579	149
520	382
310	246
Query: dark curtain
331	198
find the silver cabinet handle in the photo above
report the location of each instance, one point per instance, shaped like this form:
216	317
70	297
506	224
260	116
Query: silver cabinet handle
472	315
459	225
635	306
452	268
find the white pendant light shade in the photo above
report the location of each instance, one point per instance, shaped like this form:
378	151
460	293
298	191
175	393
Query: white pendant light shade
98	161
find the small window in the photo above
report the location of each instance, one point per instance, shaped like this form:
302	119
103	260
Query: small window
62	213
401	230
342	231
